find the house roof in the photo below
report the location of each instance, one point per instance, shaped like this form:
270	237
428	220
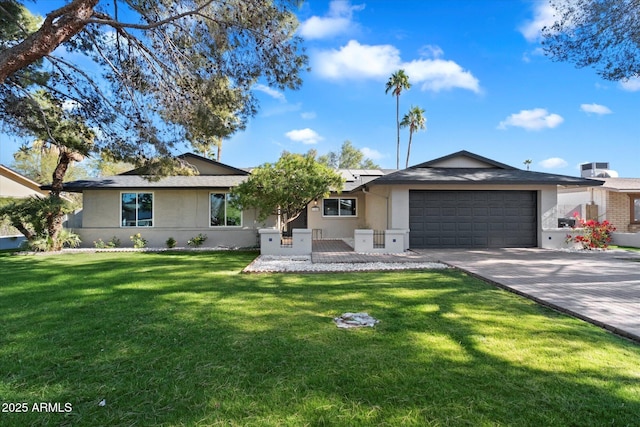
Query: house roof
354	178
212	174
623	185
141	182
464	167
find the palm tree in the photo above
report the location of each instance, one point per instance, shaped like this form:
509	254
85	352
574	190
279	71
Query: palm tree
415	121
527	163
397	82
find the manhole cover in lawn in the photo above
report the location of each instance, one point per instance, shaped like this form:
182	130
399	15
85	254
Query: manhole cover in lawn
355	320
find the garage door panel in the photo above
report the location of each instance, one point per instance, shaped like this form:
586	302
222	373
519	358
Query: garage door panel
472	219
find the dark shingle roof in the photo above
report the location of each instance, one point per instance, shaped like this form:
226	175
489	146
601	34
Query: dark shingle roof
499	176
139	182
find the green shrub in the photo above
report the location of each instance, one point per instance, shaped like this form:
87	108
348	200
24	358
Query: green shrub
44	243
68	239
113	243
171	242
138	241
197	241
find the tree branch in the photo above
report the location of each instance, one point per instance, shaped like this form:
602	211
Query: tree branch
104	19
58	27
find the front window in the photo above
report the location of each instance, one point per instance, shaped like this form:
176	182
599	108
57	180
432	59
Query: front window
635	208
339	207
136	209
222	211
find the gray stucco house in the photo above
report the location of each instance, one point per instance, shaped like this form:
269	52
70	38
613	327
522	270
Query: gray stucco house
459	200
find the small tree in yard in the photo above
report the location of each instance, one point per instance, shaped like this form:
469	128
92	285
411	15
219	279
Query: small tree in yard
286	187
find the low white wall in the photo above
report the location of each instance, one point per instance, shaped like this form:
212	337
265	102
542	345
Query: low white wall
556	238
301	242
363	241
626	239
395	241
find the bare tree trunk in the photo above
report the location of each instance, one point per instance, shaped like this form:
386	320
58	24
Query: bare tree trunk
24	230
58	27
55	216
409	147
398	130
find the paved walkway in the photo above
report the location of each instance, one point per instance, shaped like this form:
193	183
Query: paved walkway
600	287
337	251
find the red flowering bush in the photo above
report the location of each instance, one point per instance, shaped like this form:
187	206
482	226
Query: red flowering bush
591	234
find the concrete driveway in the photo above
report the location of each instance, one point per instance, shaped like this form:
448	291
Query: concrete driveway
600	287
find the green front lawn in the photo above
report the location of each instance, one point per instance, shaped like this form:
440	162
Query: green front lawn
185	339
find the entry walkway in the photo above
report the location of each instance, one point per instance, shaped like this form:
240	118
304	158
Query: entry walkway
338	251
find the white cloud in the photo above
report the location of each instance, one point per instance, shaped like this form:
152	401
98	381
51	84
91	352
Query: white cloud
69	104
553	163
526	57
372	154
431	51
631	85
543	15
308	115
337	21
535	119
595	109
378	62
306	136
276	94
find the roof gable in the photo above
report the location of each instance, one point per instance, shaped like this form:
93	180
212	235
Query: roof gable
204	166
463	159
210	167
467	168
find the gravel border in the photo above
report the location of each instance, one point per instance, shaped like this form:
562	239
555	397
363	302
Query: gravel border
130	249
303	264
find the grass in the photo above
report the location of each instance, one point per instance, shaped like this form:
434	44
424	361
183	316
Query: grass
626	248
185	339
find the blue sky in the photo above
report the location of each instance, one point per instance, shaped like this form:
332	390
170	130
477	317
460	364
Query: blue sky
478	72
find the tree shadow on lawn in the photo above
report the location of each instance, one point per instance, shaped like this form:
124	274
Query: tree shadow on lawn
163	345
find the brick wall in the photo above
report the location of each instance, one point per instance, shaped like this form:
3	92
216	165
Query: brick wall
618	210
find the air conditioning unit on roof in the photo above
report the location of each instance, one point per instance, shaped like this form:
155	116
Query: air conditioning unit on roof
597	170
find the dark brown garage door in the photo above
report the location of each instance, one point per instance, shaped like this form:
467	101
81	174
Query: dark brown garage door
472	219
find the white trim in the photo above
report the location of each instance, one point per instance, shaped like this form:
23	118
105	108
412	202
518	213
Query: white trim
153	210
355	200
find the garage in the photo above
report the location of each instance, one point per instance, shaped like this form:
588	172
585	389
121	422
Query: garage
472	219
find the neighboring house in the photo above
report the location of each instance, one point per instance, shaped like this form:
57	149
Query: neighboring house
460	200
617	200
14	185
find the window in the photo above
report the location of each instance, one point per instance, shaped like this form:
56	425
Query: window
136	209
635	208
222	211
339	207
